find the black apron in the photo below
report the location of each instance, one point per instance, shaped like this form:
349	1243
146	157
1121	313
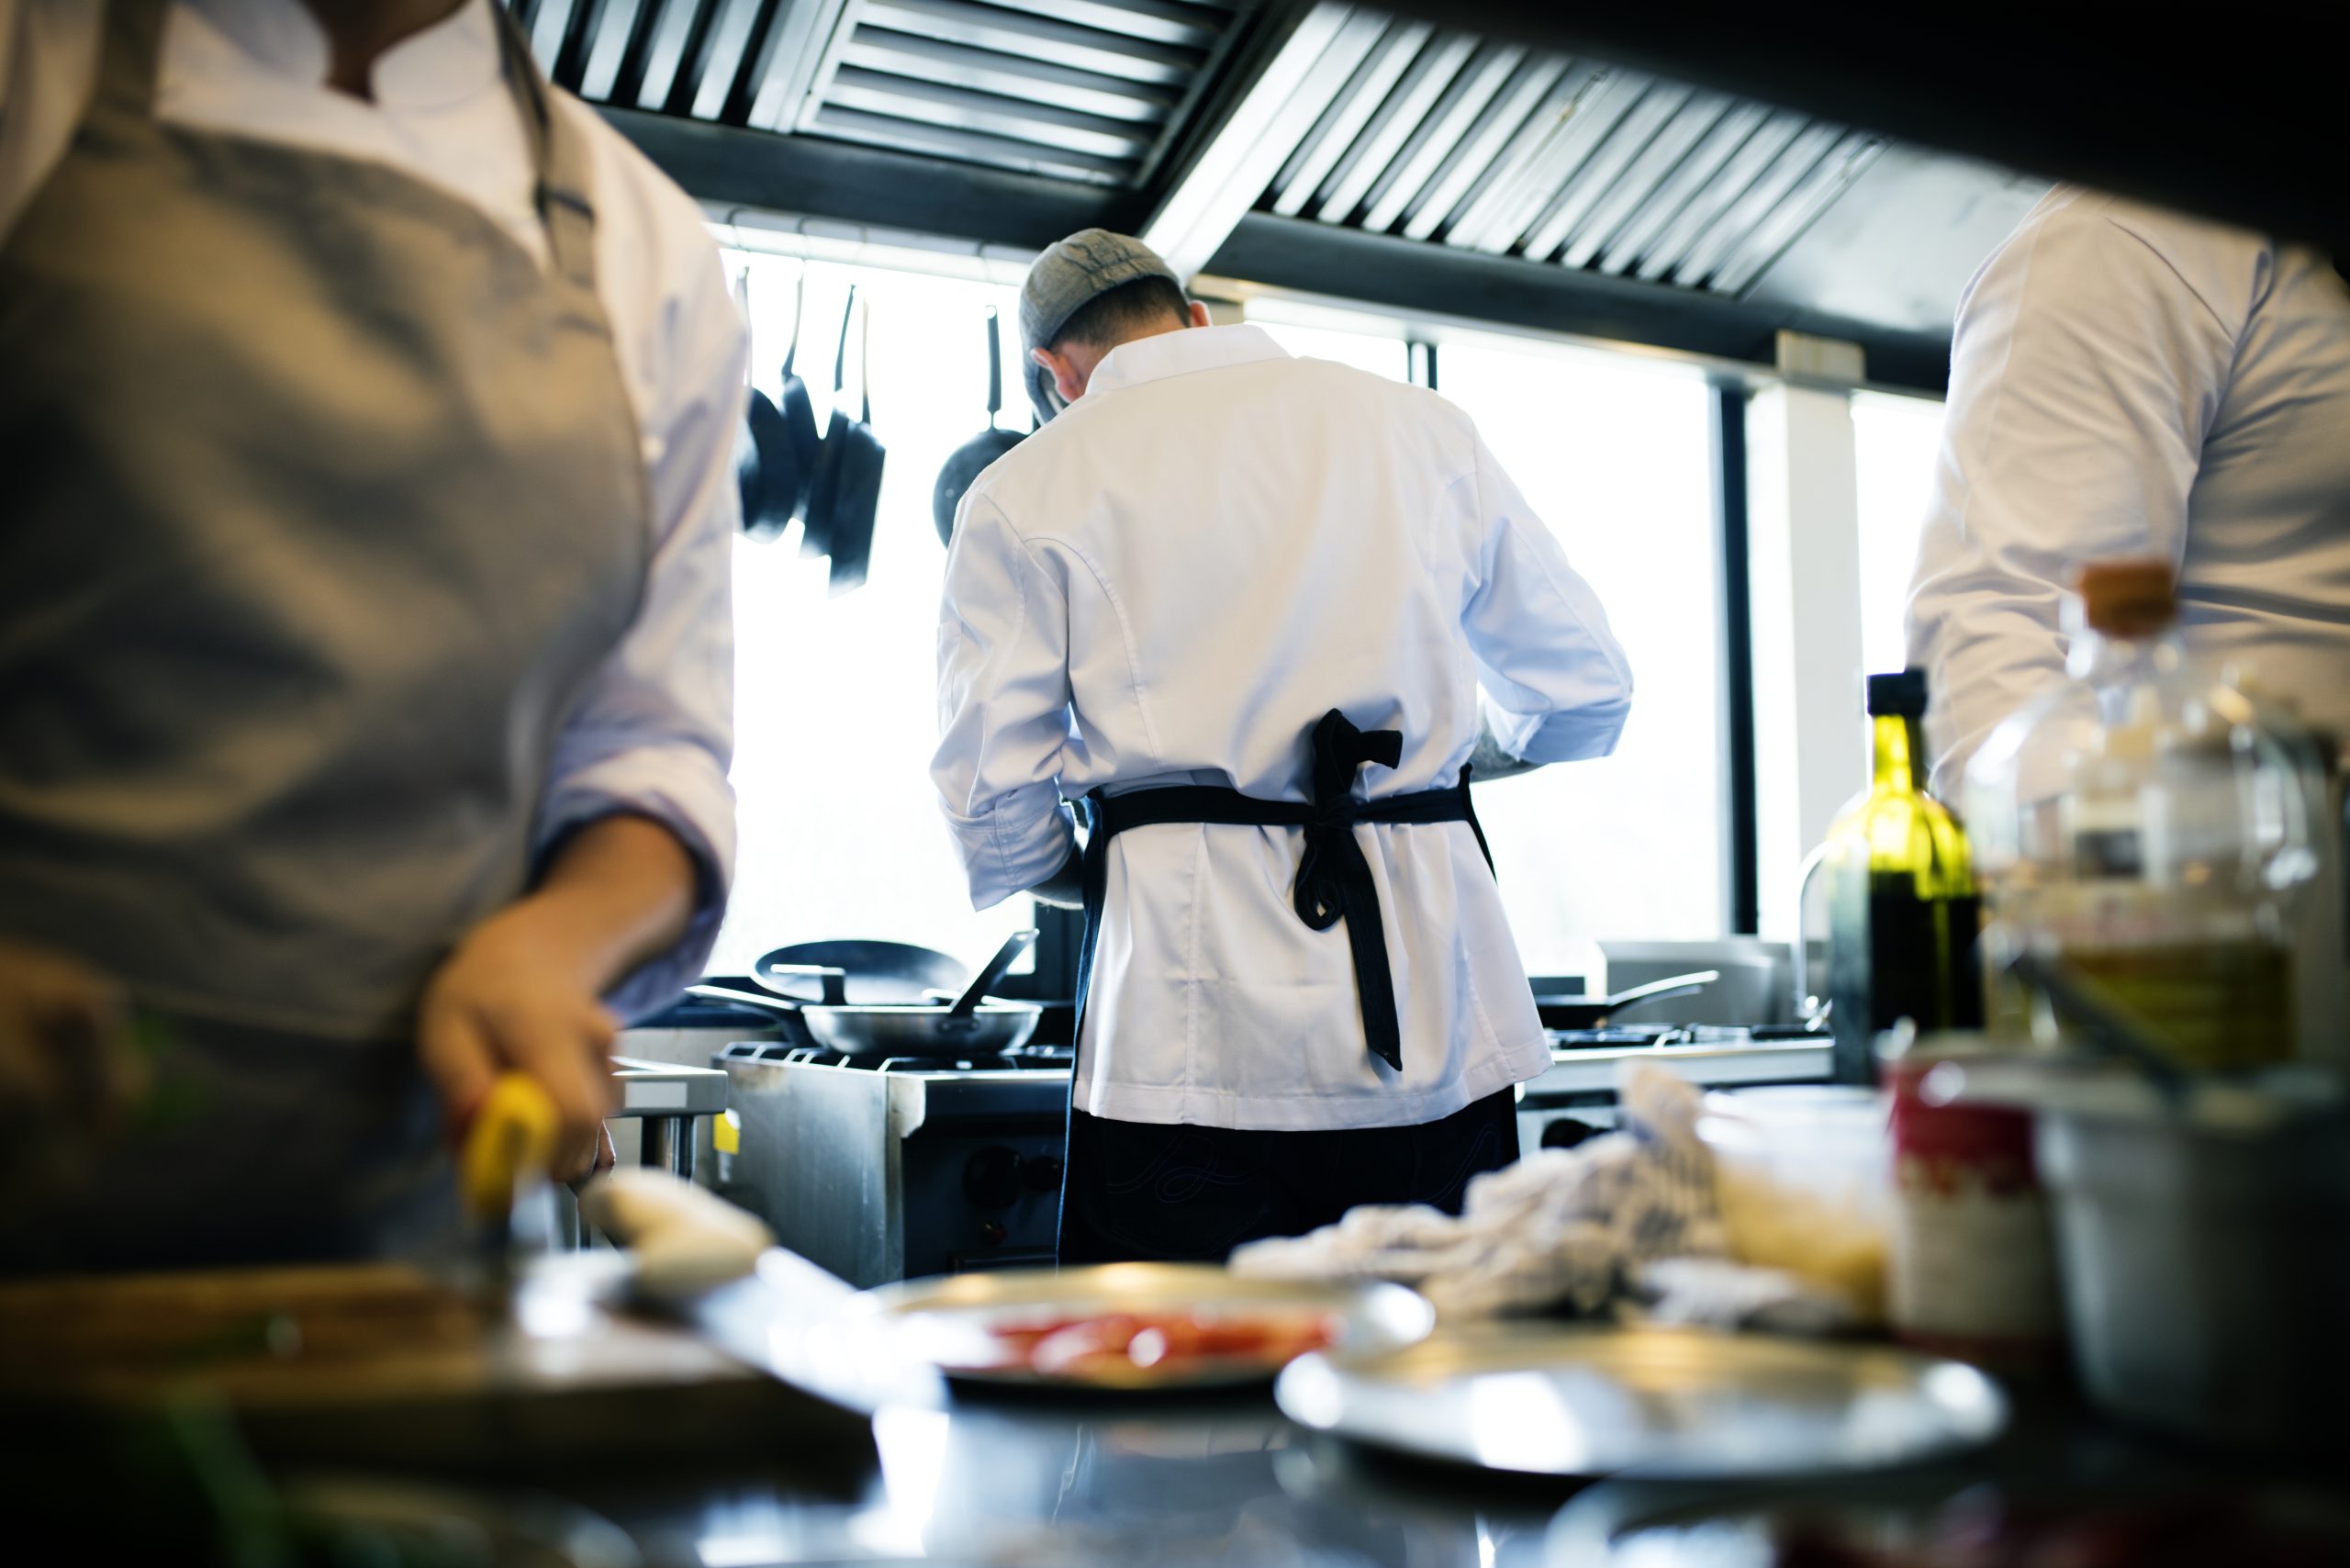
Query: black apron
1333	880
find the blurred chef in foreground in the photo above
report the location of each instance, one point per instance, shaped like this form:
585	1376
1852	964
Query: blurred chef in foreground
2130	382
1240	606
366	411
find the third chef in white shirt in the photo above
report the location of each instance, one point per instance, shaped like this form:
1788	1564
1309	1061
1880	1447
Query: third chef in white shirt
2126	381
1252	615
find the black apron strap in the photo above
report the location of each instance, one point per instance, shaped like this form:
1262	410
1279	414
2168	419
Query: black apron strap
1333	880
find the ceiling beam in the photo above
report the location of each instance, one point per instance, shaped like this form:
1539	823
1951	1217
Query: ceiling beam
1414	278
1299	60
853	184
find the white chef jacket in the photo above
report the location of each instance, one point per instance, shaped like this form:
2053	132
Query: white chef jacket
654	731
2128	381
1169	584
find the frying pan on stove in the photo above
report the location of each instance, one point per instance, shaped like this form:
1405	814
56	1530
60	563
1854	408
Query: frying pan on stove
1591	1012
936	1024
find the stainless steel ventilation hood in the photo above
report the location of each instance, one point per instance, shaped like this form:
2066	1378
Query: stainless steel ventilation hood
1324	148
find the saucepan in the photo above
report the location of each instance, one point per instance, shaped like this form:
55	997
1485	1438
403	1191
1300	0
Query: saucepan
971	1025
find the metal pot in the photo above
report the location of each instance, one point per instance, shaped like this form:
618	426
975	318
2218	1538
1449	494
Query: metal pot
2199	1236
2206	1281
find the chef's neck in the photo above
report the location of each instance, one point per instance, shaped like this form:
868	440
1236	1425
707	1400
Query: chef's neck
1072	364
361	32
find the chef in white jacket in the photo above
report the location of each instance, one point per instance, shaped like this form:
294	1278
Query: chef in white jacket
1250	615
366	411
2126	381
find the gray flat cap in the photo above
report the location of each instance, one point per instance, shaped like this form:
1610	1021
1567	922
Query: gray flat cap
1066	279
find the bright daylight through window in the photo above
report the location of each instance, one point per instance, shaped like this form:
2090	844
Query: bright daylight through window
1612	453
835	699
840	830
1894	441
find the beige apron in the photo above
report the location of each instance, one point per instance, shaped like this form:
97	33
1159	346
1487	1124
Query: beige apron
324	500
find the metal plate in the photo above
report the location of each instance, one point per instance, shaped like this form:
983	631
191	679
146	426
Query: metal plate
1679	1404
945	1322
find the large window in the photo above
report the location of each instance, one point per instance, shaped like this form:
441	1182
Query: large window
839	834
836	697
1895	442
1613	454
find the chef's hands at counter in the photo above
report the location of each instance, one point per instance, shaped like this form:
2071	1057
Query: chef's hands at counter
521	992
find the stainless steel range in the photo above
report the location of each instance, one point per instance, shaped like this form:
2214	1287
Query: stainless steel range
1576	1098
903	1168
896	1170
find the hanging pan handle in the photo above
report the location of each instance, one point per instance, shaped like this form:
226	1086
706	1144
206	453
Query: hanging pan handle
799	313
995	369
840	350
864	366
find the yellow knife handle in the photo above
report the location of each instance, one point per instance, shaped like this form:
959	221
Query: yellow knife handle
510	1143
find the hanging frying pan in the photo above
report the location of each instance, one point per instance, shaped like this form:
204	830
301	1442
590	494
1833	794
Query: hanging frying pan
779	447
848	492
970	459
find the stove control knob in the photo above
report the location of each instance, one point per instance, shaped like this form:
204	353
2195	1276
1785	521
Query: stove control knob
1042	1173
991	1177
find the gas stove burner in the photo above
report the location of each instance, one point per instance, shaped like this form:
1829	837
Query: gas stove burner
1616	1034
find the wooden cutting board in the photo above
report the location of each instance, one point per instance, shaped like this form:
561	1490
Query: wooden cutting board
382	1364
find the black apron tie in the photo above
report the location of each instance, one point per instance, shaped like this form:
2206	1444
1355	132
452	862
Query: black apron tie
1333	880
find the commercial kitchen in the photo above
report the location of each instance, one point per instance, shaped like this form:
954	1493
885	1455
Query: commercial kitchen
499	1060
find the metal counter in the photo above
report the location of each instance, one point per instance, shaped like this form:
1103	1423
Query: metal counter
1124	1482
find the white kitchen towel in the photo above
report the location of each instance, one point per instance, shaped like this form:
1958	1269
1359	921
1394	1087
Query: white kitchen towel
1562	1228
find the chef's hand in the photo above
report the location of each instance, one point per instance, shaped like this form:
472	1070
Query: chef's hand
1064	888
67	1072
521	992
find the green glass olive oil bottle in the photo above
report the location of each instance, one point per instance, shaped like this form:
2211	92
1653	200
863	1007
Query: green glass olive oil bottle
1903	916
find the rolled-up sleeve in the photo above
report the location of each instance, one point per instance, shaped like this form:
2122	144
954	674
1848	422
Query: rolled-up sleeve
653	734
1556	686
1003	697
2084	374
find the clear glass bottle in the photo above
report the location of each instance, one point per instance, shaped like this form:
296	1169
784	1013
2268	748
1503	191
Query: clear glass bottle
2141	822
1903	915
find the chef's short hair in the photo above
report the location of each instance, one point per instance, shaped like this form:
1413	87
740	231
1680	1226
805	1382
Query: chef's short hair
1111	316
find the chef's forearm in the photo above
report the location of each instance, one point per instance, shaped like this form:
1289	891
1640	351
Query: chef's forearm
616	893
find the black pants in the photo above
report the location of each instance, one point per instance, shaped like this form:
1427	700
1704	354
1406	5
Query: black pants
1172	1192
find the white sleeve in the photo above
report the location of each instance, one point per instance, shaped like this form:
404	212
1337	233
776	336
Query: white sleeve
1003	697
2086	371
654	732
1556	688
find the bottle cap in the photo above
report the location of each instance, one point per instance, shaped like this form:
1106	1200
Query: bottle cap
2128	599
1903	694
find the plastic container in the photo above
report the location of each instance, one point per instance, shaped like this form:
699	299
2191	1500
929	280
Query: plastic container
2145	822
1804	1176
